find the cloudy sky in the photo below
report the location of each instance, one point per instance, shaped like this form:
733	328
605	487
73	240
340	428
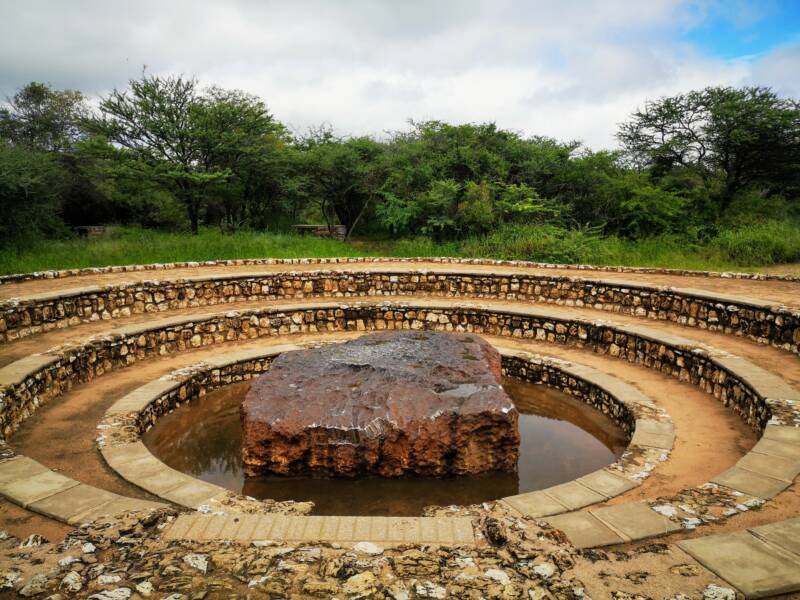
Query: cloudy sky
567	68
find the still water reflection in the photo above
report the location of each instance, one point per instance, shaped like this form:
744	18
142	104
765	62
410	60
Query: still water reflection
561	438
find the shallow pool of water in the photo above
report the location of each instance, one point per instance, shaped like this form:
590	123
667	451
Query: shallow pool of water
561	439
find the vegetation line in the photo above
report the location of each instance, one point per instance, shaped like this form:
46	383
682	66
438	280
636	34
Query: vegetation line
706	180
743	249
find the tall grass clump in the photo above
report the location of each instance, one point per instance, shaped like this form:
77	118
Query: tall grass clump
743	247
766	243
130	245
737	248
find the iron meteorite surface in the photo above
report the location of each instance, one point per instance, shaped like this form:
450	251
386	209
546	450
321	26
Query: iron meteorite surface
389	404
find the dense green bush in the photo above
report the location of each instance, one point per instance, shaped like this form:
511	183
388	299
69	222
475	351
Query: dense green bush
29	196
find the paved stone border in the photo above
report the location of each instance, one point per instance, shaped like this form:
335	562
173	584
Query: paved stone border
60	274
755	319
649	428
31	485
760	562
136	412
244	529
610	525
764	472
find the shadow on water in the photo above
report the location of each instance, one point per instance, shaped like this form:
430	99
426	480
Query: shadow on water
561	438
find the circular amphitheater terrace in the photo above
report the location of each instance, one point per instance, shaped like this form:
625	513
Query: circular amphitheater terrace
699	370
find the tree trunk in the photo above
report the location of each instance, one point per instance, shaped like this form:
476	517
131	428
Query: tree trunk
358	218
194	216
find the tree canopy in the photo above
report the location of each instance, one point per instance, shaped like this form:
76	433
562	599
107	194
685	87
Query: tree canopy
44	119
743	137
167	152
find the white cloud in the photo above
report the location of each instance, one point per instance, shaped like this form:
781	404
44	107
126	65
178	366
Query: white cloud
571	69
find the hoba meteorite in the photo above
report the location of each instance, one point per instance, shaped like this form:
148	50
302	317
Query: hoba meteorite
388	404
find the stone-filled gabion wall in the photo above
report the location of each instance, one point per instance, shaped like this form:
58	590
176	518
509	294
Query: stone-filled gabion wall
545	373
201	381
84	363
756	320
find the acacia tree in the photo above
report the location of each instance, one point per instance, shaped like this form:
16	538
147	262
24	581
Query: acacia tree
745	136
345	176
236	132
159	121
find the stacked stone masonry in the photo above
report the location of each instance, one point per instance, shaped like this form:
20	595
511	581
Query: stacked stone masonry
22	393
757	320
28	383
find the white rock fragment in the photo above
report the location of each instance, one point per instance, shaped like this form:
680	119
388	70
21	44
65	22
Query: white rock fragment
198	561
498	575
545	570
716	592
368	548
72	582
465	561
428	589
256	581
32	540
115	594
67	561
691	523
666	509
145	588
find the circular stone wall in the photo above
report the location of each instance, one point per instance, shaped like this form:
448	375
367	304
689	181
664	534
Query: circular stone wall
759	385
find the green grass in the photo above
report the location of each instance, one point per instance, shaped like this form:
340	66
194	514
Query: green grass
126	246
743	248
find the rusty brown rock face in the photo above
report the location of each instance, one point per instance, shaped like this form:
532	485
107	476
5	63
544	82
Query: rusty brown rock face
389	404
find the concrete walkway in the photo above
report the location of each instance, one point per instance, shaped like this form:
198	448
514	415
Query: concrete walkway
35	487
246	528
759	562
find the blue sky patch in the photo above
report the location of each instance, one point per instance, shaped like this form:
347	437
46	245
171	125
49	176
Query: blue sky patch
732	30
